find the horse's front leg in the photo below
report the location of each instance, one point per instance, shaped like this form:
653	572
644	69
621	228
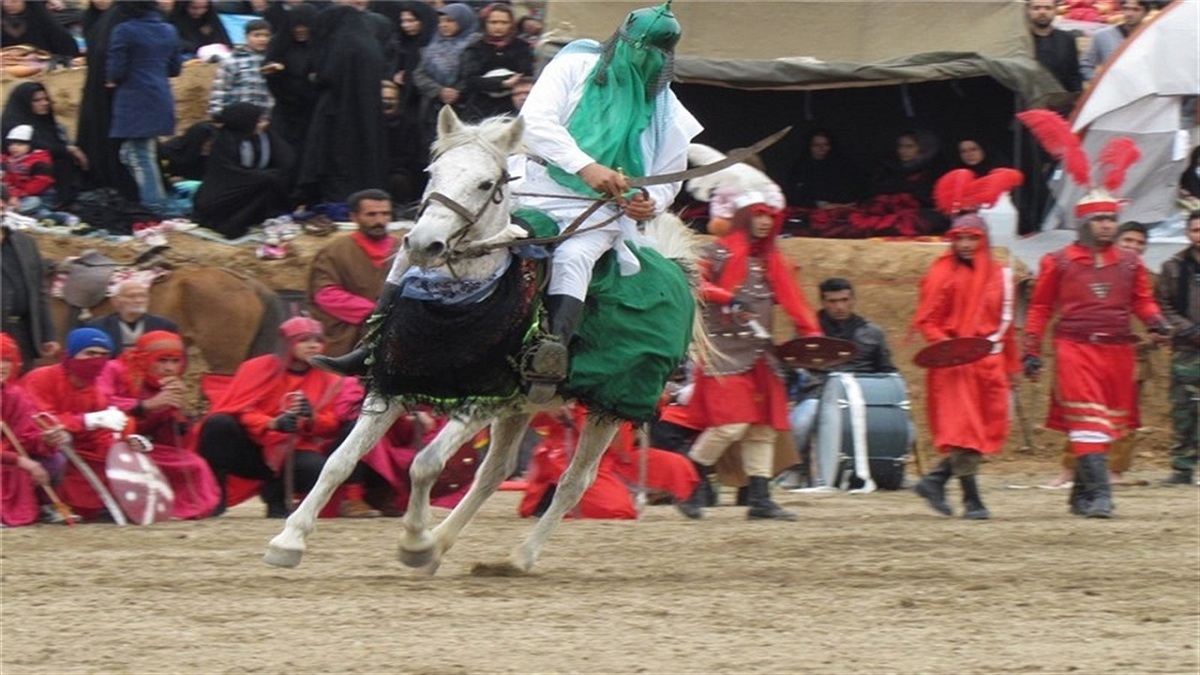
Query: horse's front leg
418	546
499	464
287	547
578	477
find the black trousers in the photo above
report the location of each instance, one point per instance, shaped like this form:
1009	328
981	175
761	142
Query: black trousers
227	448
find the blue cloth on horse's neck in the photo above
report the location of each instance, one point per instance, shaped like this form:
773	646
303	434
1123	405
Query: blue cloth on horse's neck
431	285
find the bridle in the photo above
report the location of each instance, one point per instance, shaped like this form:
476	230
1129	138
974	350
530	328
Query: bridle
495	198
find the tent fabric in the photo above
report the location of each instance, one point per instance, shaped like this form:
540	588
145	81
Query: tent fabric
811	44
1139	94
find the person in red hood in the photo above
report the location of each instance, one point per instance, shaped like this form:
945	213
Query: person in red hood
69	391
20	474
739	392
275	404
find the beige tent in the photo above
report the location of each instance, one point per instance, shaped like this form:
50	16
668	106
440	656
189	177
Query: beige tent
807	44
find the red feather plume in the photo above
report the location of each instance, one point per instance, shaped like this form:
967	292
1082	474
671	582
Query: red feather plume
1055	135
987	189
950	191
1115	160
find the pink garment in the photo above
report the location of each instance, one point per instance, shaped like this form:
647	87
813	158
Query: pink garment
344	305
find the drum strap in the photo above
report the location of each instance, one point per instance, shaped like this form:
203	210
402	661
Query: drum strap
1006	311
858	431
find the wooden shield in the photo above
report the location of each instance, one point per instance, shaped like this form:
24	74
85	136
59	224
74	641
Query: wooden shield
816	352
953	352
138	484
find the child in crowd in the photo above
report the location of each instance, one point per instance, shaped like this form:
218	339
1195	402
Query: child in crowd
29	176
240	77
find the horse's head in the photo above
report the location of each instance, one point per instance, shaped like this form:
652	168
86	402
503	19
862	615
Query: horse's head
466	201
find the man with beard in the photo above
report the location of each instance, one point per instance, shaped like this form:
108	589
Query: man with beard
348	274
1179	294
1054	48
69	391
131	317
1107	41
1093	286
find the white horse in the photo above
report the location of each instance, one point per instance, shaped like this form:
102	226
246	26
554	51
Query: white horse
464	229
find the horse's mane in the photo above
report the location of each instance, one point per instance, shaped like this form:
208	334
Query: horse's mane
469	134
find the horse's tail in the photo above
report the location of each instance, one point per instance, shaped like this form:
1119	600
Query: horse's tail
681	244
268	324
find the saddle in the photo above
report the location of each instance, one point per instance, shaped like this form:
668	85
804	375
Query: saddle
86	280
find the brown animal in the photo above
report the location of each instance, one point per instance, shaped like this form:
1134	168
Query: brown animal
227	316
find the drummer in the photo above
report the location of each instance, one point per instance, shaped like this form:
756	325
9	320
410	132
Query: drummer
872	355
966	294
739	396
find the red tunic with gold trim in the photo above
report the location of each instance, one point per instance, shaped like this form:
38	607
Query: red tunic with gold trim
1095	295
745	384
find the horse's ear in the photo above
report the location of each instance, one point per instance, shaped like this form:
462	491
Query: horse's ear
513	133
448	122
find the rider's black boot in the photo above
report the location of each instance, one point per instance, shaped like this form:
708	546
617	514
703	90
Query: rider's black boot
354	362
547	363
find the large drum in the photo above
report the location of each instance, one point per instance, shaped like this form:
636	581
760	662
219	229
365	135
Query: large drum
864	428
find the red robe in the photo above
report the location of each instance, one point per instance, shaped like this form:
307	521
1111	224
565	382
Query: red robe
1095	386
256	395
968	405
758	395
18	494
53	392
195	487
611	495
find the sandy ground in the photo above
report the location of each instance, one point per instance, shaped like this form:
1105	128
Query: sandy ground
863	583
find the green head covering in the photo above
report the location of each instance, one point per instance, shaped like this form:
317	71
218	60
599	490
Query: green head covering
618	101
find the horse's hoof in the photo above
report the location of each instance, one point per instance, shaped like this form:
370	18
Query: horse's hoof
419	559
278	556
427	571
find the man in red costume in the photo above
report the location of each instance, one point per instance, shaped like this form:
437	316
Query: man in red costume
739	396
1093	286
965	294
347	275
69	391
21	473
275	404
147	384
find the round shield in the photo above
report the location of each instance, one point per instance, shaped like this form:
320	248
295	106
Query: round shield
138	485
816	352
953	352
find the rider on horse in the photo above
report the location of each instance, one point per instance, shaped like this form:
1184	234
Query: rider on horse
598	113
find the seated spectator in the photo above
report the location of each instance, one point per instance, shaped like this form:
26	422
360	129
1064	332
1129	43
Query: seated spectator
493	64
912	169
39	464
131	317
29	103
69	391
185	156
198	25
28	175
275	405
240	78
30	23
973	154
147	385
247	176
822	177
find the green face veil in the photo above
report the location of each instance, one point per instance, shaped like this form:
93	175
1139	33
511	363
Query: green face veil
621	96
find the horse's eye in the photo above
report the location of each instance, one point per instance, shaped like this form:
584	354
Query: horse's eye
487	185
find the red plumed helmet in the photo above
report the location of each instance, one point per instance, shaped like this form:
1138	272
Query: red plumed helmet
959	191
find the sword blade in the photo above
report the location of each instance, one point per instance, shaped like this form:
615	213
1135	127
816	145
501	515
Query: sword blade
732	158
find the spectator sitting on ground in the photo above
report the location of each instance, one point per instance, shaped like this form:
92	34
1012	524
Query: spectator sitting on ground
131	318
240	78
29	103
198	25
29	176
29	23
